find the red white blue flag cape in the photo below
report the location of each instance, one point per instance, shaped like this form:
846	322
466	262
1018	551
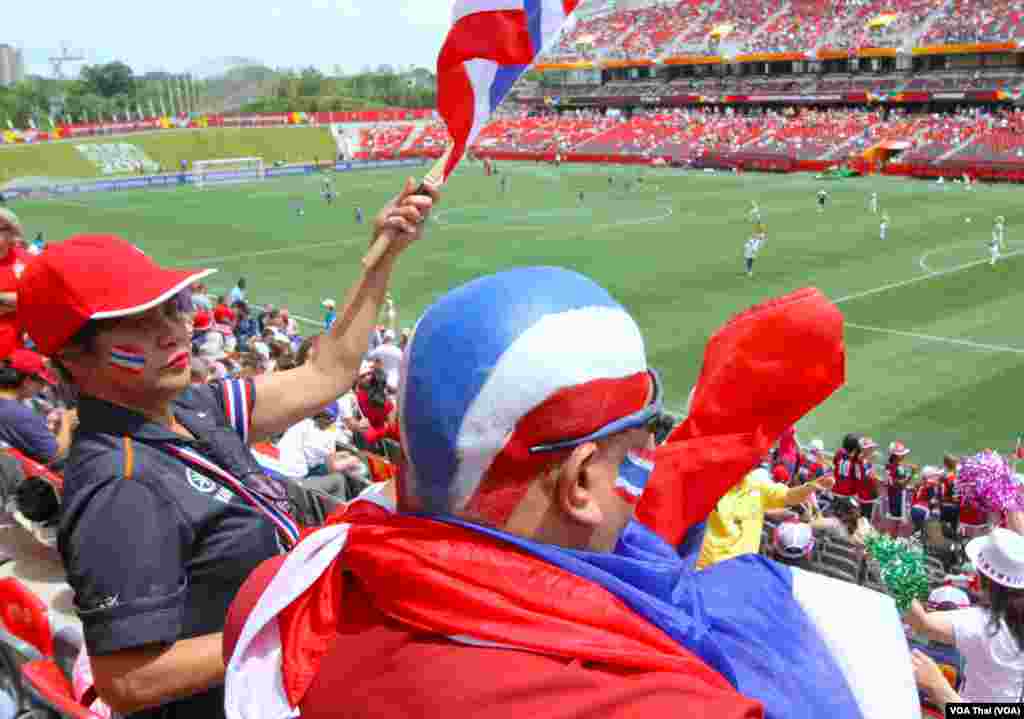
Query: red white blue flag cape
490	45
804	645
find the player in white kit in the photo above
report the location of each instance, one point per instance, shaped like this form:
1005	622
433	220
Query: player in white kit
874	203
993	250
883	229
750	250
999	232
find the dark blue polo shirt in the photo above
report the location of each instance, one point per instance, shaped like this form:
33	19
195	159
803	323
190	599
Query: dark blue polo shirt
159	555
26	431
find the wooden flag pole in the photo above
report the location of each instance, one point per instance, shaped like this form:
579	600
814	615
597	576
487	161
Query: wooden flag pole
433	179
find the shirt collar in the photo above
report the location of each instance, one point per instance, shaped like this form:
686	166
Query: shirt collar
102	417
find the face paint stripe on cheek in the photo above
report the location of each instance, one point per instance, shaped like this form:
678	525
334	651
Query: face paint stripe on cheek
129	358
634	472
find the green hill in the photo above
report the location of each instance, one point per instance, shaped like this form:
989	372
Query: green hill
169	148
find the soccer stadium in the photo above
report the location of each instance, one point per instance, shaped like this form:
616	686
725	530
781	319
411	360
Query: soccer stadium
661	353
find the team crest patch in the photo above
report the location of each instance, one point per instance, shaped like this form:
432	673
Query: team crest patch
200	483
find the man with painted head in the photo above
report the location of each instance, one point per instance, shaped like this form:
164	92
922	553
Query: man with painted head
499	583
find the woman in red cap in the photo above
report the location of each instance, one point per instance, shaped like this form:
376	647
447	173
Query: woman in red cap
165	509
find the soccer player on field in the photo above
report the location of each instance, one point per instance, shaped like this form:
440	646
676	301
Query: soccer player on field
327	190
883	229
750	250
579	197
999	232
874	203
993	250
359	215
755	212
503	183
822	199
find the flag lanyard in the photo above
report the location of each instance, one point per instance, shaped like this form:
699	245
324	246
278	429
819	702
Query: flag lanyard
254	498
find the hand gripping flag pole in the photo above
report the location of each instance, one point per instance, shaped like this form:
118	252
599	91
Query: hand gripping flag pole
434	179
490	45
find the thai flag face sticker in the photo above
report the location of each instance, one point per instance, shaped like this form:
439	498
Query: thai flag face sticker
128	358
634	472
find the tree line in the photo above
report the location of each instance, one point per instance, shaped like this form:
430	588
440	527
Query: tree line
113	91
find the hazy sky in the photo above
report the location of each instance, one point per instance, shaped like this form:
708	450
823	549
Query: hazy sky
179	35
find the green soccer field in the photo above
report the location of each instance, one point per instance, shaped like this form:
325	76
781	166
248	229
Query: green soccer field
933	331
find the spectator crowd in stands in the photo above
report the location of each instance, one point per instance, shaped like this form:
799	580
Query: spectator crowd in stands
688	26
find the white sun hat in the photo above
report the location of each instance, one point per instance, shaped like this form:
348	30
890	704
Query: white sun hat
1000	557
794	540
329	304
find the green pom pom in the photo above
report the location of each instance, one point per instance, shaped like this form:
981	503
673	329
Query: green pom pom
901	569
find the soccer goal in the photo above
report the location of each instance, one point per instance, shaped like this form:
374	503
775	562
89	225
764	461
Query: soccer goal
237	169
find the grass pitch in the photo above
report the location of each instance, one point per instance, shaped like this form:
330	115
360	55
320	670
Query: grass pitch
933	332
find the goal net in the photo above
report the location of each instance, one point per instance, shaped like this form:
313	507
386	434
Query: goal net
237	169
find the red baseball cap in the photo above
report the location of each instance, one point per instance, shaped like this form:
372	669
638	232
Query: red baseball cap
91	277
32	364
202	321
223	315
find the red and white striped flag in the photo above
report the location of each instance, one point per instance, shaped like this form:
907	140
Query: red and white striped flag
490	45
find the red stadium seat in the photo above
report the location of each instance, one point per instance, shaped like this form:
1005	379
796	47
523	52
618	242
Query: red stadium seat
32	468
24	616
48	686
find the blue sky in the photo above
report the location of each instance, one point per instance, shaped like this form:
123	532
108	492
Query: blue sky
179	35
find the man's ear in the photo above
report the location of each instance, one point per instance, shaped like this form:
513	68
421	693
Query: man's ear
573	494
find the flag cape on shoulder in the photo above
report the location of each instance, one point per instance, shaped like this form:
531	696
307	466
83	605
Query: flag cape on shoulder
490	45
439	578
749	625
764	370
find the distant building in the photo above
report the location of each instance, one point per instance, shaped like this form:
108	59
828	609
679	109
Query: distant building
12	65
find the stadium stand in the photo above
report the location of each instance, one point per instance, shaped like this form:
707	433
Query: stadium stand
383	142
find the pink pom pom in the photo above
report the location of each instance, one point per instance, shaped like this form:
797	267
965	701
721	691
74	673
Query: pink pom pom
987	481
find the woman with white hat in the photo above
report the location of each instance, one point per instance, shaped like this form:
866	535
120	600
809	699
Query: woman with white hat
990	639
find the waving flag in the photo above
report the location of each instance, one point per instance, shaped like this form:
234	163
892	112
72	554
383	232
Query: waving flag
490	45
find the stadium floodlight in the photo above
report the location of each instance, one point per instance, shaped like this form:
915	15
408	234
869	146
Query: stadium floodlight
228	170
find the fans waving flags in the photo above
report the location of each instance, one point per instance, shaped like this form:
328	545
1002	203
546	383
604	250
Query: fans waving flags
490	45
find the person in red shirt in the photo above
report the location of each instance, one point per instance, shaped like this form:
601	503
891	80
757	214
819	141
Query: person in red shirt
848	468
13	260
377	407
949	498
896	500
867	488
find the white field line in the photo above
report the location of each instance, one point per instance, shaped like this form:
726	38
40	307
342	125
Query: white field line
923	260
935	338
920	278
274	251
